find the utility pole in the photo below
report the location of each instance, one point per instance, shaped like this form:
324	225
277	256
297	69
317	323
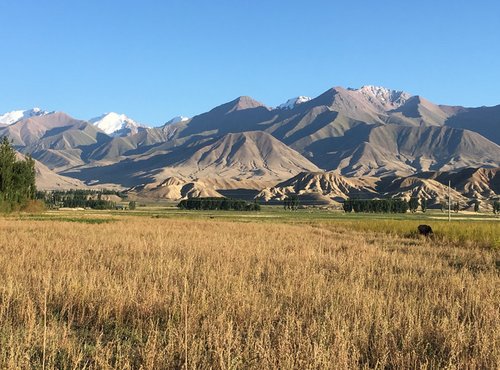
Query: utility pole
449	200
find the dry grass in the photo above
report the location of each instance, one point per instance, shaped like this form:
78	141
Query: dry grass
153	294
479	233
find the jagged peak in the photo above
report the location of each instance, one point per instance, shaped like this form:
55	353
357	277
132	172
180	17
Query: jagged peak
177	119
293	102
12	117
383	94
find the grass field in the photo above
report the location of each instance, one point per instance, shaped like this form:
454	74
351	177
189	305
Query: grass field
160	288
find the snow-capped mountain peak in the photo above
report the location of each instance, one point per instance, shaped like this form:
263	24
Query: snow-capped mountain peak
177	119
10	118
384	95
292	103
115	124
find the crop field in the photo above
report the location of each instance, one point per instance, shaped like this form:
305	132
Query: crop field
160	288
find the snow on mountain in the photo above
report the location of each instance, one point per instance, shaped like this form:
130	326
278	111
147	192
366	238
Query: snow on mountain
177	119
115	124
291	103
384	95
12	117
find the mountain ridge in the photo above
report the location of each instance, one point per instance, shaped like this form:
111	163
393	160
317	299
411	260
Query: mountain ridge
368	131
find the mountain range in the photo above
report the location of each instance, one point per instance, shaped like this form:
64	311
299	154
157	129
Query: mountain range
366	132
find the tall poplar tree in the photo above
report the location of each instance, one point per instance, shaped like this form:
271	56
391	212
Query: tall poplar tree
17	177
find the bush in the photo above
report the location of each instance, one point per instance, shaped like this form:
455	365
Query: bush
33	206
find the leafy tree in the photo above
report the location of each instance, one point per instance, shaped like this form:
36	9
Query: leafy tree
413	204
423	205
456	207
132	205
443	206
476	206
291	202
286	203
17	178
496	207
347	205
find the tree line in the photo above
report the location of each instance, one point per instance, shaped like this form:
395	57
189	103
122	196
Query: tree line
376	205
17	178
402	206
218	203
77	199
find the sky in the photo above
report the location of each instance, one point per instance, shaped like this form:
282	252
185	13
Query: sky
153	60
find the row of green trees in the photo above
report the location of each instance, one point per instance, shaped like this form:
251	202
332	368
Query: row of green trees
77	199
455	207
17	178
225	204
402	206
376	205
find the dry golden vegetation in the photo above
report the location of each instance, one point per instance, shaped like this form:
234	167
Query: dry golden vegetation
165	293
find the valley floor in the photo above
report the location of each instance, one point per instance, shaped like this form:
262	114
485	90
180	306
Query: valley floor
161	288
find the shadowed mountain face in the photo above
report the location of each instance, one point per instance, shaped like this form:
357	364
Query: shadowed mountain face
485	121
370	131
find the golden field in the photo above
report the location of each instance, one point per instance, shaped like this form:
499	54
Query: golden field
154	293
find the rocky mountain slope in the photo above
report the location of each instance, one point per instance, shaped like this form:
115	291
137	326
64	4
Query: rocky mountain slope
249	155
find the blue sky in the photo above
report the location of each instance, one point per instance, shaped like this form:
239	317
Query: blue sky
156	59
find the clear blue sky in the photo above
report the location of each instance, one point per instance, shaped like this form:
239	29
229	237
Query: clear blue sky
156	59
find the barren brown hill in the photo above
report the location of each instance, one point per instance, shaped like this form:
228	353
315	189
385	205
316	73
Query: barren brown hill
175	188
431	190
319	187
482	183
326	185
